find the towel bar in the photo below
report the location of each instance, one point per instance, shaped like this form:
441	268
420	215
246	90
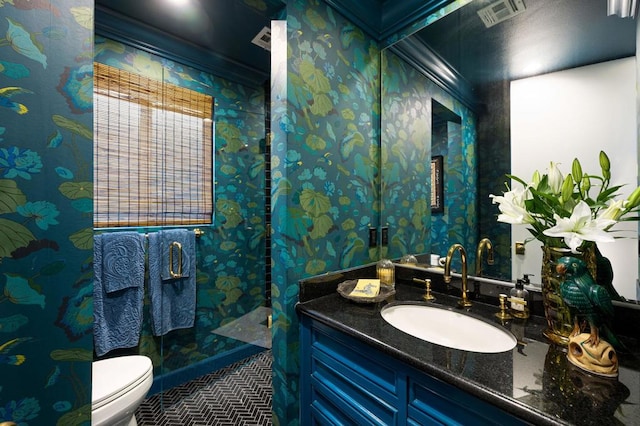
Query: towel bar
199	232
178	246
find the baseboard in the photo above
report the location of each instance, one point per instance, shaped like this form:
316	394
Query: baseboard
209	365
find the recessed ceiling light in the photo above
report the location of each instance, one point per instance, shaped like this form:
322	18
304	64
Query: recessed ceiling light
178	2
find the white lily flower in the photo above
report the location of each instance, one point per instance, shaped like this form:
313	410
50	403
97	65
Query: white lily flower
555	178
512	208
581	226
613	211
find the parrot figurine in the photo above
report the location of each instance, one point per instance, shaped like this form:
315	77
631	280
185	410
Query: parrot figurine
586	299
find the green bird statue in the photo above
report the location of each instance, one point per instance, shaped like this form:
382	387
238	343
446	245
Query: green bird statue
587	300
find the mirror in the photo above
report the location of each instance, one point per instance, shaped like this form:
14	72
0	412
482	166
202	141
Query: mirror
477	64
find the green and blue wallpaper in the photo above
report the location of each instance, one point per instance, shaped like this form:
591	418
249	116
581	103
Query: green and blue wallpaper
46	121
325	177
46	272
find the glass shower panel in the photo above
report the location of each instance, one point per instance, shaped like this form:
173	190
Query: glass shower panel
230	316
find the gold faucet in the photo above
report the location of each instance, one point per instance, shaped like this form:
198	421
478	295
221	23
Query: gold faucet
484	243
464	302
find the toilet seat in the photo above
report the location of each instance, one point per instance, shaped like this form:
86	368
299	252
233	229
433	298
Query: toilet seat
114	377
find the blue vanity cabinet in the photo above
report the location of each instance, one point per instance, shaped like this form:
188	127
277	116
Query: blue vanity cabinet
347	382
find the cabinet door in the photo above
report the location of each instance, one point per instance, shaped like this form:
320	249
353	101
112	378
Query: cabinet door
434	402
343	382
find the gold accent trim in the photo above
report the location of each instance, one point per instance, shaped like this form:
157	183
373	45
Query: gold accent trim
173	274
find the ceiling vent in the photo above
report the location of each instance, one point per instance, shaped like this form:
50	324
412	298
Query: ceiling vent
500	11
263	38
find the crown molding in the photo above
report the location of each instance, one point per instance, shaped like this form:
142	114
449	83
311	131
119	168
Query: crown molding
416	53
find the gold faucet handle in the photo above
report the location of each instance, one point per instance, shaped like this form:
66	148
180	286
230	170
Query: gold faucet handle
428	296
503	314
427	286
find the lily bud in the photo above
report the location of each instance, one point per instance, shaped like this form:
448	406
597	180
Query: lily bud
586	183
605	165
633	200
535	180
576	170
555	178
567	188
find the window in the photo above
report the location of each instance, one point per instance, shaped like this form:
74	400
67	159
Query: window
153	152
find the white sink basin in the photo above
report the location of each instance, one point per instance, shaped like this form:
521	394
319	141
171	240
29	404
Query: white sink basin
448	328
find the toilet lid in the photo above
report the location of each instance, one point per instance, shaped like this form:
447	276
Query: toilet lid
112	377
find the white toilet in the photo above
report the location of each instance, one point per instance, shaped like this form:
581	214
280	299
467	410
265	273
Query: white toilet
118	387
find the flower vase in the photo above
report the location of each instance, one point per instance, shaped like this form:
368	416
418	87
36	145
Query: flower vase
559	318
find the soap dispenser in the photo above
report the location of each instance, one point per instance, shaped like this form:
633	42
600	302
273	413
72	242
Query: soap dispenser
518	297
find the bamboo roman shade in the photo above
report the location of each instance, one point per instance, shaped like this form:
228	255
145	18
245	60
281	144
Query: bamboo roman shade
153	154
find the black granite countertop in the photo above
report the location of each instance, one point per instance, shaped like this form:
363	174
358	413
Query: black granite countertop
534	381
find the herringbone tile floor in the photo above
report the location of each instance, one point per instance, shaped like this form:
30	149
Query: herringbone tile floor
239	394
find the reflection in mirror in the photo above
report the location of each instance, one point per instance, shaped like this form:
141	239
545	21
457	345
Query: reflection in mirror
409	140
446	131
477	65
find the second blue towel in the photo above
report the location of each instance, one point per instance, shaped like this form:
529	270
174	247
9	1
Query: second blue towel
173	300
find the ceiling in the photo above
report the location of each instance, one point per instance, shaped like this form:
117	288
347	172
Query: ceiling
216	34
550	35
210	33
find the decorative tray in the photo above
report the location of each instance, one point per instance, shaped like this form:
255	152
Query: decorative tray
346	287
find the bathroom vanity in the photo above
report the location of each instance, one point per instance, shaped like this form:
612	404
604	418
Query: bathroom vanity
358	369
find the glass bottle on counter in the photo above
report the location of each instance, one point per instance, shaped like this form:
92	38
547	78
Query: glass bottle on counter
386	273
518	297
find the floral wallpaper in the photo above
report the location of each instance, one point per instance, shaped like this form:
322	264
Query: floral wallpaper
46	314
407	148
231	253
325	177
46	273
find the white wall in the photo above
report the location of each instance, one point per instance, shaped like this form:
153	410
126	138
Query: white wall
577	113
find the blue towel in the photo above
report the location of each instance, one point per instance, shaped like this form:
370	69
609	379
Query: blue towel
122	260
173	300
117	314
